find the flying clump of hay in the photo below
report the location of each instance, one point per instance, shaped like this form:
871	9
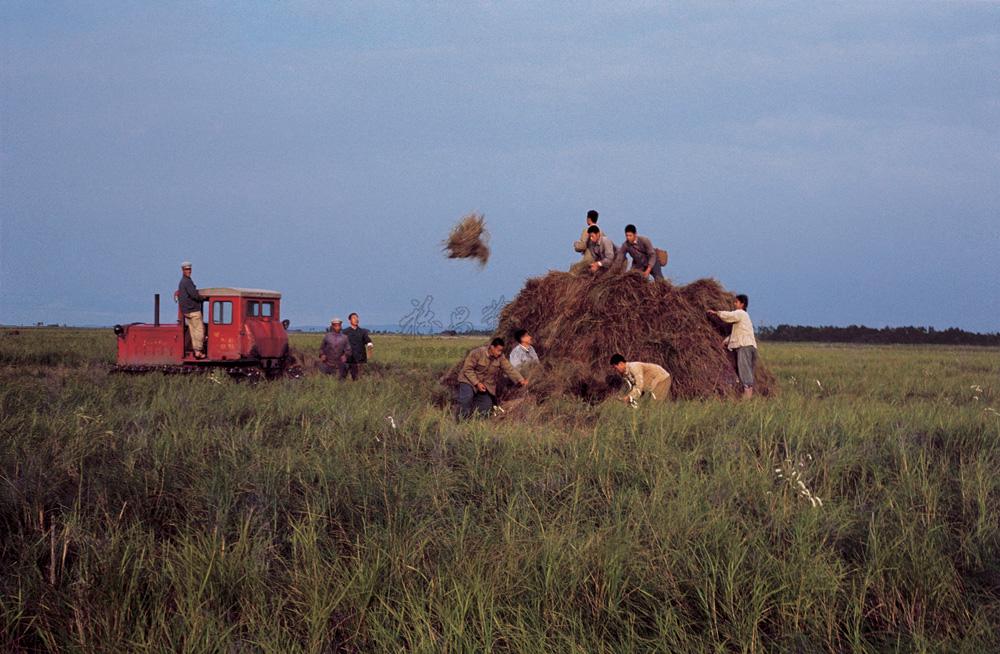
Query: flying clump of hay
468	239
579	321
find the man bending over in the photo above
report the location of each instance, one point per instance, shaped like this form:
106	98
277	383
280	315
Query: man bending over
477	383
642	378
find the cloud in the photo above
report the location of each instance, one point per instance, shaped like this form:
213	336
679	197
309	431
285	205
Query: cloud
283	126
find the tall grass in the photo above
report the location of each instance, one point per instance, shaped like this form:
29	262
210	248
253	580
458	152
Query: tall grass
195	513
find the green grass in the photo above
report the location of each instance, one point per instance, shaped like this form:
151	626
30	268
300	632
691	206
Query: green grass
192	513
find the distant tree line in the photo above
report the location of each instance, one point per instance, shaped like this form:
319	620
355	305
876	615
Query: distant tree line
884	336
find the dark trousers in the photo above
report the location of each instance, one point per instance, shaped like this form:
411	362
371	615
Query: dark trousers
354	367
470	400
339	368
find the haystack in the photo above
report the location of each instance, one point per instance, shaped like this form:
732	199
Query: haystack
580	320
468	239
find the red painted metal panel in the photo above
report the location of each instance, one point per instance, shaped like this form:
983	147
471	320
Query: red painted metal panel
224	338
268	335
148	345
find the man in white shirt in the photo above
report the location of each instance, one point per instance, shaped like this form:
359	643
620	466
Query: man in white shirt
643	378
742	341
523	353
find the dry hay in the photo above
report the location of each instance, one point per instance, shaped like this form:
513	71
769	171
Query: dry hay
468	239
308	360
579	320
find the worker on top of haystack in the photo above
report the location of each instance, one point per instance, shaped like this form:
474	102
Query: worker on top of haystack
642	378
602	249
477	382
643	254
581	245
523	353
742	341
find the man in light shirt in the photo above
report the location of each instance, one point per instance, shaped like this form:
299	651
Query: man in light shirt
581	245
742	341
643	378
523	353
191	303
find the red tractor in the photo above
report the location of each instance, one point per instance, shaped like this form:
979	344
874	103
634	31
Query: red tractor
244	336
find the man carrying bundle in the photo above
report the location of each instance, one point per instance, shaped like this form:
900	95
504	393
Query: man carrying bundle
581	245
602	249
742	341
643	254
642	378
477	382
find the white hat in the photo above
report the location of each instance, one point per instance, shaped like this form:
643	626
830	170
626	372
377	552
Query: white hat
186	264
333	320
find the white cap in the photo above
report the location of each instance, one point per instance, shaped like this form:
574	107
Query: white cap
186	264
333	320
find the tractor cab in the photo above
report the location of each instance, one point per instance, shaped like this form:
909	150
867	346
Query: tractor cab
240	323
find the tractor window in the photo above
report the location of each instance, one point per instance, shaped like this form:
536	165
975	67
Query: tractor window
222	313
267	309
253	309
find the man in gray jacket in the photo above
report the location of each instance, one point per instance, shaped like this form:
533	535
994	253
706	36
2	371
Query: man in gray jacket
335	349
642	378
601	248
742	341
642	252
190	302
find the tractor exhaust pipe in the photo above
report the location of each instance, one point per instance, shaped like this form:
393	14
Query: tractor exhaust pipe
156	310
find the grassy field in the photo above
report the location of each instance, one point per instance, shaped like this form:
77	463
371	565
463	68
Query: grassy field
193	513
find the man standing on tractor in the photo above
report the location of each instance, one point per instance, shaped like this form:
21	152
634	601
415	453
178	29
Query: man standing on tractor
190	302
361	345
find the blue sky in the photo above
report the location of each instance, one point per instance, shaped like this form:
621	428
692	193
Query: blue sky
838	162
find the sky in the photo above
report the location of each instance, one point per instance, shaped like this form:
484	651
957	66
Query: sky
839	162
